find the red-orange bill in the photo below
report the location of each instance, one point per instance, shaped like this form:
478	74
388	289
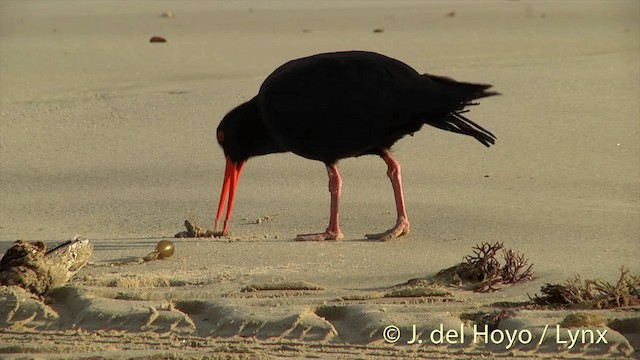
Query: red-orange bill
230	183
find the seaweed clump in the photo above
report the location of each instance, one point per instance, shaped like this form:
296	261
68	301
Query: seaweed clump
594	294
484	271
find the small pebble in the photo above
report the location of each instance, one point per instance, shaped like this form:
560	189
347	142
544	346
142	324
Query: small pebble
157	39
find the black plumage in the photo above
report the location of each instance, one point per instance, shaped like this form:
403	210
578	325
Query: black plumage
332	106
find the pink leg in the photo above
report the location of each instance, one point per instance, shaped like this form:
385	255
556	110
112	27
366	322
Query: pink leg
402	224
333	231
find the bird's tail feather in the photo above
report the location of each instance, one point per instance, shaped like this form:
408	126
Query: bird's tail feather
464	90
465	94
457	123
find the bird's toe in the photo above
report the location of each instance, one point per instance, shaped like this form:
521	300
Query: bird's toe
395	232
327	235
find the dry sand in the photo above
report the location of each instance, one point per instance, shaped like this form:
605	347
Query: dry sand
106	135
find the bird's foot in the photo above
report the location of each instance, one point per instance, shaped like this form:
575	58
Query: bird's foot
401	228
327	235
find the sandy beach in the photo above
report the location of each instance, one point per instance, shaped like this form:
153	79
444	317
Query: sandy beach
108	136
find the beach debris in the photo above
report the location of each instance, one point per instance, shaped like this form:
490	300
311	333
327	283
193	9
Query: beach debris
167	14
378	30
157	39
164	250
29	265
451	14
195	231
484	272
593	294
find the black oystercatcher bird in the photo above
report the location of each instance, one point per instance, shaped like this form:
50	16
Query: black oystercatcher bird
332	106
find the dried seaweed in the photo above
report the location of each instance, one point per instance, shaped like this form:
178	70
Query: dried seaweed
484	272
597	293
515	268
483	262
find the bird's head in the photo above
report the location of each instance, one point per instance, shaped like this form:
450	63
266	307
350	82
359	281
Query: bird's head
239	132
242	135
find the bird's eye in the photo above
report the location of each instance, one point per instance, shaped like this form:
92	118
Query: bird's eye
220	136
